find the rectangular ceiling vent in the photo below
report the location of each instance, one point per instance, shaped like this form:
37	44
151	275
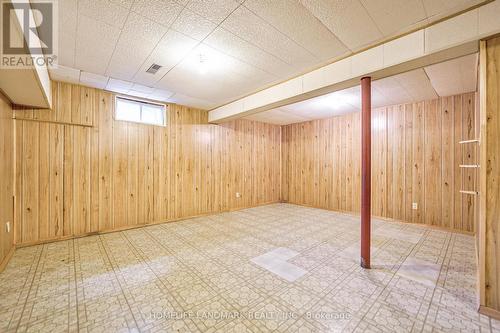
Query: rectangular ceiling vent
153	69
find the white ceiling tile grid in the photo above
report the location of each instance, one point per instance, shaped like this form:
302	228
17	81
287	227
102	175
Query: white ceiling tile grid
392	16
248	26
347	19
162	12
87	57
311	34
262	42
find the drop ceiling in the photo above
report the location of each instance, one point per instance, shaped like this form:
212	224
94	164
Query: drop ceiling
444	79
248	45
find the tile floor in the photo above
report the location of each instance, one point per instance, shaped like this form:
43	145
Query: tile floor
197	275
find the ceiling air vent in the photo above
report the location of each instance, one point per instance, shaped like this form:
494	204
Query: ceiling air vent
153	69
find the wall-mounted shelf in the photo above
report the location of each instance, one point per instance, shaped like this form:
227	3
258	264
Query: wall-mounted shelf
469	141
470	192
471	166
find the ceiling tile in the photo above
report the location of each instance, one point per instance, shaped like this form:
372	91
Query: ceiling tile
67	19
213	10
66	49
93	80
64	74
392	16
142	89
143	29
89	58
104	11
162	12
347	19
218	80
234	46
138	39
138	94
329	105
193	25
161	95
310	34
392	91
277	117
192	101
68	11
185	81
417	85
454	77
173	47
124	3
446	7
248	26
119	86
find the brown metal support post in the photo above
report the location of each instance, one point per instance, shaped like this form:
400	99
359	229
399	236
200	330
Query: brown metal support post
366	148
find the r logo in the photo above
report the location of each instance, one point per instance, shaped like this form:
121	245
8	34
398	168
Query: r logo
35	21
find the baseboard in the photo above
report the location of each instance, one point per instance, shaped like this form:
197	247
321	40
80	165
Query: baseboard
495	314
388	219
131	227
6	260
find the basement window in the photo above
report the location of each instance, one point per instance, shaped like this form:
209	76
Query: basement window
137	111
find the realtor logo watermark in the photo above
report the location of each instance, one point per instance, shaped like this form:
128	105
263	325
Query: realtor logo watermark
29	33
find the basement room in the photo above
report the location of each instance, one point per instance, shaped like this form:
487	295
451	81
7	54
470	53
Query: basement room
250	166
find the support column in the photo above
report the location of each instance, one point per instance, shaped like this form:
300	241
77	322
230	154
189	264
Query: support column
366	171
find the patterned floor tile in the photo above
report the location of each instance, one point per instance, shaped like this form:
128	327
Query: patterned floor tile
196	275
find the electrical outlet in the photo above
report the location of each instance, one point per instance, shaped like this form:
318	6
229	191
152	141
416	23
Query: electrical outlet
238	194
7	227
414	206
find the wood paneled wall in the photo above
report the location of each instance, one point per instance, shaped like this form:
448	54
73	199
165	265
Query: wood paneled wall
489	226
6	179
415	159
79	171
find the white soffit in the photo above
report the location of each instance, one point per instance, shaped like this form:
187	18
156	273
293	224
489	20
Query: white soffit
448	78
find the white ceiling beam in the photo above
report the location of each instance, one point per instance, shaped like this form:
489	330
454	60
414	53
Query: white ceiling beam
443	41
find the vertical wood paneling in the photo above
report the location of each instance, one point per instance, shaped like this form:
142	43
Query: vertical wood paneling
490	176
469	155
7	185
105	114
458	156
418	172
56	143
432	162
414	160
44	177
447	157
82	172
68	182
408	166
31	185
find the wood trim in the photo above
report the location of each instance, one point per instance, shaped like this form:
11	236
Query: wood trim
495	314
125	228
390	220
7	258
51	121
482	173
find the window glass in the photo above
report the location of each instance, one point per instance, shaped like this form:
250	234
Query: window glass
153	114
140	112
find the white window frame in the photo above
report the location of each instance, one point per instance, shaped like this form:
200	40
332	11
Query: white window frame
140	102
